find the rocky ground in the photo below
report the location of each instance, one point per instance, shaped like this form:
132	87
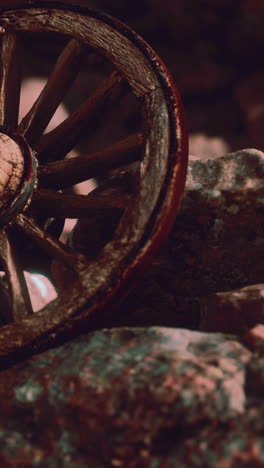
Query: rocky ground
179	381
137	397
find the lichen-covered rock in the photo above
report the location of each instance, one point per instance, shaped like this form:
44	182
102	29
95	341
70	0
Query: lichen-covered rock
237	444
218	240
215	249
121	397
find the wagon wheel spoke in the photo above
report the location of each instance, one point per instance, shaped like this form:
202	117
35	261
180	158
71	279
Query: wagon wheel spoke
62	174
55	204
122	222
57	143
10	80
20	302
49	244
65	70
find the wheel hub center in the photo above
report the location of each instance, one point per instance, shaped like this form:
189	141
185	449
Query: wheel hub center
11	170
17	175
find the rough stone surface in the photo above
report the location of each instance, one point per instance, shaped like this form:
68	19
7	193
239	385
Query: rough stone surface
215	249
233	311
122	397
219	231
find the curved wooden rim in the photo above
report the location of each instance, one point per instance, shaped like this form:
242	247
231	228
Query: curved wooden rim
129	251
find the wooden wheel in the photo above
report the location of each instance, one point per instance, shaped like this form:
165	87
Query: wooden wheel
36	177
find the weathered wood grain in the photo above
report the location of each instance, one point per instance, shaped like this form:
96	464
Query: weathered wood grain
10	79
57	143
48	243
60	80
62	205
20	301
117	47
65	173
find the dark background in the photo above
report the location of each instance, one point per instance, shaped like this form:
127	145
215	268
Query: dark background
214	50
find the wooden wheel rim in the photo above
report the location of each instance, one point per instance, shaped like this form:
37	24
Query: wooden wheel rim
163	169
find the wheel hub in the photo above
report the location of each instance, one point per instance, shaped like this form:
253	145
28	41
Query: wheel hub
17	175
